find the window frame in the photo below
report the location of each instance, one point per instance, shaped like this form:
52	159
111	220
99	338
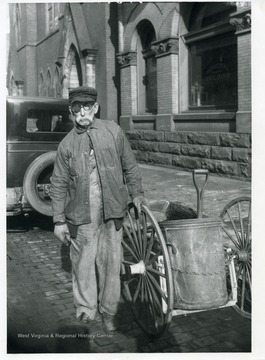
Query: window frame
57	121
17	24
53	11
145	37
191	38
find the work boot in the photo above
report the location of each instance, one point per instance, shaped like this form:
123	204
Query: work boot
111	322
98	317
84	318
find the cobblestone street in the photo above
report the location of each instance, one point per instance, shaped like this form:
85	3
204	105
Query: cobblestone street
40	311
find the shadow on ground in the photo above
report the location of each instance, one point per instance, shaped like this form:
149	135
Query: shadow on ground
65	258
26	222
74	337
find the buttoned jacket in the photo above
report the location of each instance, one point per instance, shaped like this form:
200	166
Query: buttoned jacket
118	171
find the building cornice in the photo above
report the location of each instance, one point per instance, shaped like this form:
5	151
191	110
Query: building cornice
207	32
241	21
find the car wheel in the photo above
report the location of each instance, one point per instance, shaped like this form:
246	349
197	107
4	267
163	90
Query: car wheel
36	183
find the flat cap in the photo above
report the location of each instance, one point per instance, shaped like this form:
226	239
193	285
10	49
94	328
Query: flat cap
83	93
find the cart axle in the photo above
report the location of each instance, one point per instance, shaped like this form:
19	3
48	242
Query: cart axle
242	256
138	268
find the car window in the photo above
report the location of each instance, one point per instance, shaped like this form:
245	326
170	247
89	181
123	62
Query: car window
41	120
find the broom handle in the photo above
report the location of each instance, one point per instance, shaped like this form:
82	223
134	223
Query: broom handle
200	192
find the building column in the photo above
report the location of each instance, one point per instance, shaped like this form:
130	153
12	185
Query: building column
242	21
167	58
30	51
128	62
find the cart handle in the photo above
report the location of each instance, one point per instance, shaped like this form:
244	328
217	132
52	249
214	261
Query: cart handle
173	247
200	192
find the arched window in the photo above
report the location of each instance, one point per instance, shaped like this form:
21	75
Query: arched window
75	75
41	86
146	69
212	57
57	88
53	13
48	86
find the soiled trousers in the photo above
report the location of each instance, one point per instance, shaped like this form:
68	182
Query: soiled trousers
96	256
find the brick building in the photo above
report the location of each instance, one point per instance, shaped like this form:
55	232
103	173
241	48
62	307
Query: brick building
175	75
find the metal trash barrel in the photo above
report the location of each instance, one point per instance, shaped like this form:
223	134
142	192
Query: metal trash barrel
197	258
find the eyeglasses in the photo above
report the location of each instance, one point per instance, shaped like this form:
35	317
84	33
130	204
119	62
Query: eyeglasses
86	106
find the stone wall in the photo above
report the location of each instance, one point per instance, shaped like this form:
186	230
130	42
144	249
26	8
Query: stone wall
226	154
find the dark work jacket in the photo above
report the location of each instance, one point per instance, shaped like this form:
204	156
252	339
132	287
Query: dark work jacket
118	172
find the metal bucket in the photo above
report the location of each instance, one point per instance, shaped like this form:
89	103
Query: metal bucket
197	258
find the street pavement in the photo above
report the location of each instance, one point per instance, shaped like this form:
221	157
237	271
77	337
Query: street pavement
40	312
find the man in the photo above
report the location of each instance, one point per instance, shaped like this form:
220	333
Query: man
94	169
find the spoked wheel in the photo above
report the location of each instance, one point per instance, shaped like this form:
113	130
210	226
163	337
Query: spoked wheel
146	271
236	218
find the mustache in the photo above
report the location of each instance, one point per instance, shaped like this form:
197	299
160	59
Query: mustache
85	119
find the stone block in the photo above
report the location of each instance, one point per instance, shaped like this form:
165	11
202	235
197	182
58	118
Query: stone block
153	135
241	155
179	137
134	135
134	144
196	150
170	148
158	158
147	146
221	167
235	140
243	122
221	153
203	138
245	170
126	123
186	162
141	155
164	122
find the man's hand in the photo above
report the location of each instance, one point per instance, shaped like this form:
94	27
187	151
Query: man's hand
61	231
139	201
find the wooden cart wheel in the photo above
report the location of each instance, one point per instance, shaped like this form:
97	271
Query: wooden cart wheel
236	218
146	271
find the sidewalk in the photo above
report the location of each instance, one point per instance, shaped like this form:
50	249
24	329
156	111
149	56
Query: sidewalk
40	312
174	185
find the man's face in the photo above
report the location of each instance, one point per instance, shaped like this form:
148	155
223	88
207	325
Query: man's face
84	112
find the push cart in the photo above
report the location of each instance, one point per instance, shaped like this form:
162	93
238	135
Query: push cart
187	262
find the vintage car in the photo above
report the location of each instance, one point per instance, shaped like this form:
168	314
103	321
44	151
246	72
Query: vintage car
35	126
